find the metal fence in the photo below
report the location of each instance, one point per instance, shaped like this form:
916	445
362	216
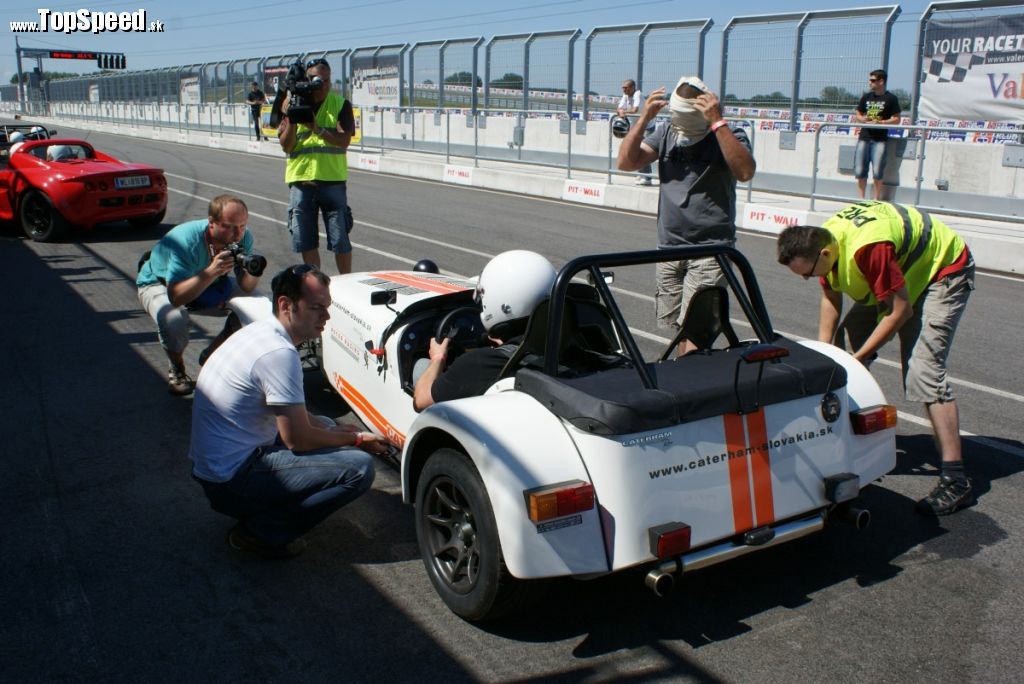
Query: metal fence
773	66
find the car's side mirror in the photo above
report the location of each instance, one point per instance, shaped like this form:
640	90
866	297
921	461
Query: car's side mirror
383	297
53	132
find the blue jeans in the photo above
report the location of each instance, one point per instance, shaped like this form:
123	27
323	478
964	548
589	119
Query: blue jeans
305	202
869	152
278	496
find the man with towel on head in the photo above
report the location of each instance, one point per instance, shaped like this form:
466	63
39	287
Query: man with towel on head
700	158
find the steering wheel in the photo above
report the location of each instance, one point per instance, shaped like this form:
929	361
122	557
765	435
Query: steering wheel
462	326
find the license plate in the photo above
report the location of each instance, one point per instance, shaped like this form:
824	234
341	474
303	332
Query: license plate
122	182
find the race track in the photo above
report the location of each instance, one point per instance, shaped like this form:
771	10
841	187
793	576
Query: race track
116	569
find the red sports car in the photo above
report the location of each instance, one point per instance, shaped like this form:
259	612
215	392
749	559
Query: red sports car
50	184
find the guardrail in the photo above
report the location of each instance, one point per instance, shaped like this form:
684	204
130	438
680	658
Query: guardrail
553	139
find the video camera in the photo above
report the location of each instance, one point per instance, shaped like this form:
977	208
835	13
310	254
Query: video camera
253	264
300	89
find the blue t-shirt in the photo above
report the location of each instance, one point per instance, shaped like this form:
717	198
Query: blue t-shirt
181	254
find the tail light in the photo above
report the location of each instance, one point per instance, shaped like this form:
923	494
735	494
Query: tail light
90	186
873	419
559	500
669	540
763	352
103	185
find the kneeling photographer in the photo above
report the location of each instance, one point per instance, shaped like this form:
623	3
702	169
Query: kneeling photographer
188	271
315	125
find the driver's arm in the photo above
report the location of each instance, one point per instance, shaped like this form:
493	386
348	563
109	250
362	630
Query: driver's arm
422	397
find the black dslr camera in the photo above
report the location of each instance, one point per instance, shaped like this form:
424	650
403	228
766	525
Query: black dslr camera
300	89
253	264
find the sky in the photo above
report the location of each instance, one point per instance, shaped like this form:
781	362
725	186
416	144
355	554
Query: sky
195	31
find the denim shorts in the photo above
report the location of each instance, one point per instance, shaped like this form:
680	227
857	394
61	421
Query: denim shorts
869	152
307	200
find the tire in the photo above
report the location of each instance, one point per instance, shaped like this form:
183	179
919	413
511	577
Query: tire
39	219
459	544
147	221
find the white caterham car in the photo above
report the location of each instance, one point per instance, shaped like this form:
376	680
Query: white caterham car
584	458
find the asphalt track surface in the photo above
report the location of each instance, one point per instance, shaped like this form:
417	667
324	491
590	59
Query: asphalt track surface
115	569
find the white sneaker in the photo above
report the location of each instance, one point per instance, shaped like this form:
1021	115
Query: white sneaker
642	180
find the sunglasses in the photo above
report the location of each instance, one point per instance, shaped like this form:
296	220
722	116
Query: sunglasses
319	61
810	273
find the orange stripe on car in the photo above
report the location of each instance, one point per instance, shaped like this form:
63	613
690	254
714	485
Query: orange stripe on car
440	287
739	479
761	467
359	402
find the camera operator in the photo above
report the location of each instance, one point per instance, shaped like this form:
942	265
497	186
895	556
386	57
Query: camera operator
188	270
317	166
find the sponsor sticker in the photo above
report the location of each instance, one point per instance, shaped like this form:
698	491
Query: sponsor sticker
559	524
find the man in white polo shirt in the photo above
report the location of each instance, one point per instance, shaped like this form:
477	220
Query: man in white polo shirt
259	455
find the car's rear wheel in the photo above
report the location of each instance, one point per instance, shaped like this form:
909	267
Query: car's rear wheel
40	219
147	221
458	540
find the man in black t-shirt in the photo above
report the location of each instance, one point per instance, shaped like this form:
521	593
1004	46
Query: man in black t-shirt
877	106
510	287
256	99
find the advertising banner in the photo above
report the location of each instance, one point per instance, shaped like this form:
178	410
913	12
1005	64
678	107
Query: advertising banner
188	90
375	81
272	76
973	69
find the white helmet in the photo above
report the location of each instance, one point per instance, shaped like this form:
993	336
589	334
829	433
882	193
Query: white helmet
511	286
38	133
17	139
58	152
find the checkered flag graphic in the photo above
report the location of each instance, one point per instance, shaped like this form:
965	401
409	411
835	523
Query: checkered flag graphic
953	66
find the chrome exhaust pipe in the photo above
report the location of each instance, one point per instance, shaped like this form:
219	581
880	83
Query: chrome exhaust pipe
860	518
660	582
661	578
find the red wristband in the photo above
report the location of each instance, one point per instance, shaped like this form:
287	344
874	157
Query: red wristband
718	124
359	439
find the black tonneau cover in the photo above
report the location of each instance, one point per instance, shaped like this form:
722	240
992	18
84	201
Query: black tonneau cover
614	402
